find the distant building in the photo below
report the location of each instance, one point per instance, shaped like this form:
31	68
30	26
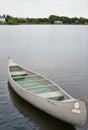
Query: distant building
2	19
58	22
76	21
86	23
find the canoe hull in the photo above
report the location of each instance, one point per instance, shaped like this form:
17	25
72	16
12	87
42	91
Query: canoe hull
63	110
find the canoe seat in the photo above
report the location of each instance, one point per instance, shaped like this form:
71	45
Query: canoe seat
51	94
18	73
20	77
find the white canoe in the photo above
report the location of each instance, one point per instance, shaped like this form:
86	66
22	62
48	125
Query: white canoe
46	95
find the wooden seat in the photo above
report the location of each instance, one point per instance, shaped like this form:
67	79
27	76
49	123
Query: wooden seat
51	94
18	73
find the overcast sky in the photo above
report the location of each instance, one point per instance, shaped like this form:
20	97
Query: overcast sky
44	8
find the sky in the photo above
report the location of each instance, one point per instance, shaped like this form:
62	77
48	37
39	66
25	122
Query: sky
44	8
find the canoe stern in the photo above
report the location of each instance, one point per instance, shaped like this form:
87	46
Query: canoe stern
74	112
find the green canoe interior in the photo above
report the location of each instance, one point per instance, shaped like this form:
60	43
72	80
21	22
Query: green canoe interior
34	83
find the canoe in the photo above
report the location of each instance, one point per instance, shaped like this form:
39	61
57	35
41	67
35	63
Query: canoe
46	95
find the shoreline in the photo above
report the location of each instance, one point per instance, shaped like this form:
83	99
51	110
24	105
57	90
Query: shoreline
45	24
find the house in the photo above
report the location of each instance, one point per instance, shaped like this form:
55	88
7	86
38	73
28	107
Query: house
58	22
2	19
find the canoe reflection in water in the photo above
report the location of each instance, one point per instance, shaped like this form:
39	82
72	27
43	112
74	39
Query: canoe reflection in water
43	120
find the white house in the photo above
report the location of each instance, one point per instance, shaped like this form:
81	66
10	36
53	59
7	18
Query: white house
2	19
58	22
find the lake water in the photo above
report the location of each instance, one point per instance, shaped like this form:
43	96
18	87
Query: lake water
59	52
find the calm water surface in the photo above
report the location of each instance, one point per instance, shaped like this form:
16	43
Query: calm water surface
57	52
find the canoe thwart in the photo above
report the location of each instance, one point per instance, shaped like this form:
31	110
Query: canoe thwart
51	94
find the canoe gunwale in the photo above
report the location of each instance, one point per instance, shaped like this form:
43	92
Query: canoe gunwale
44	78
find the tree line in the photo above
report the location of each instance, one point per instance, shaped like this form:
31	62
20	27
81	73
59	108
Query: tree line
52	19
